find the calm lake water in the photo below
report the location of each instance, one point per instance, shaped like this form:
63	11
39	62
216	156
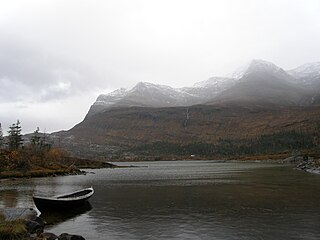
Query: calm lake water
184	200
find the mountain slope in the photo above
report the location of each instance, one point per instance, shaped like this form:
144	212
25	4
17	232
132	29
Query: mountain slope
259	81
264	83
308	77
308	73
125	128
153	95
144	95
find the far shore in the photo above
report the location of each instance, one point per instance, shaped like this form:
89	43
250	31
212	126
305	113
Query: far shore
309	164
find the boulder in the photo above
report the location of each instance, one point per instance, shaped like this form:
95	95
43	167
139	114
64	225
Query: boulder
34	227
66	236
49	236
41	221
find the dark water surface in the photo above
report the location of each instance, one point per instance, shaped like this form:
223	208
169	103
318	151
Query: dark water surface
184	200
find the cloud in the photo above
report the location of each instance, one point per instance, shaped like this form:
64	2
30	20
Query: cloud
28	73
49	115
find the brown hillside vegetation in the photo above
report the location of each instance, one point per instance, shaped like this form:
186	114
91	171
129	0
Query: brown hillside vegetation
209	124
206	123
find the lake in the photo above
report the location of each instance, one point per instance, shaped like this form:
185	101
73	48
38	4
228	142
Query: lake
184	200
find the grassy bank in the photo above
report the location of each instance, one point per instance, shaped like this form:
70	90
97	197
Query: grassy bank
12	230
29	163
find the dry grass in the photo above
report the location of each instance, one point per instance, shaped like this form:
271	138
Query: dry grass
11	230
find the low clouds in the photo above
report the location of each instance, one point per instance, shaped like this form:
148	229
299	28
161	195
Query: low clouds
49	116
32	75
43	90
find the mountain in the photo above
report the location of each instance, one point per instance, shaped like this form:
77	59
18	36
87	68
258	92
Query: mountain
260	109
307	73
308	77
260	66
153	95
144	95
209	89
258	81
264	83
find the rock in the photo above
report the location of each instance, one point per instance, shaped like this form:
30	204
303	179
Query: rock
34	227
33	236
309	165
66	236
49	236
41	221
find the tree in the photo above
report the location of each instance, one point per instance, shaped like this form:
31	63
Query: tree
36	139
15	140
1	137
39	141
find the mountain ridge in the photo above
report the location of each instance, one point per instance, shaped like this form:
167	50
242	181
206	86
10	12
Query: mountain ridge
298	85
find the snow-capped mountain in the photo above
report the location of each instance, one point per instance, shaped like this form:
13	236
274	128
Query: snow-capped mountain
111	98
154	95
306	70
214	81
258	81
260	66
145	94
263	83
209	89
307	75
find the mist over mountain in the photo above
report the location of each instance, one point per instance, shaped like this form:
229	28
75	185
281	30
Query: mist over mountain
306	73
259	81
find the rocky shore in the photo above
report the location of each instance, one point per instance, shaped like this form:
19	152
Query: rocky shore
305	163
25	224
311	166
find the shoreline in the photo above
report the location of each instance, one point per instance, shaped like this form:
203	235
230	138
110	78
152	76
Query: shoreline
54	171
310	165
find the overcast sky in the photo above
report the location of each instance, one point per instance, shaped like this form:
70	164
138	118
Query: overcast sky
57	56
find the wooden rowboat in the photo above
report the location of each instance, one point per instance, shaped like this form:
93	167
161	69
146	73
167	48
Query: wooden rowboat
68	200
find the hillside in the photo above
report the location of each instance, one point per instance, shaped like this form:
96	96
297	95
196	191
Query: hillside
126	129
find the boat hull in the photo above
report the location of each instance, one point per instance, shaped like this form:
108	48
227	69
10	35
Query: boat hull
63	202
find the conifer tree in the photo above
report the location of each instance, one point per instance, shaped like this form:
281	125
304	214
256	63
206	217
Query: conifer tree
15	140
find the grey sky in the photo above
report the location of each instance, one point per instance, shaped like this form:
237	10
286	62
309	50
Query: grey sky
56	56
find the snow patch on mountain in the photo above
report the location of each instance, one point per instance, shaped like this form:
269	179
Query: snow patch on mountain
146	86
111	98
257	65
306	70
214	81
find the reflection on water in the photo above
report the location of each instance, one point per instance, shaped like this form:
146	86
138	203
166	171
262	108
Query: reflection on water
9	198
56	216
186	200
